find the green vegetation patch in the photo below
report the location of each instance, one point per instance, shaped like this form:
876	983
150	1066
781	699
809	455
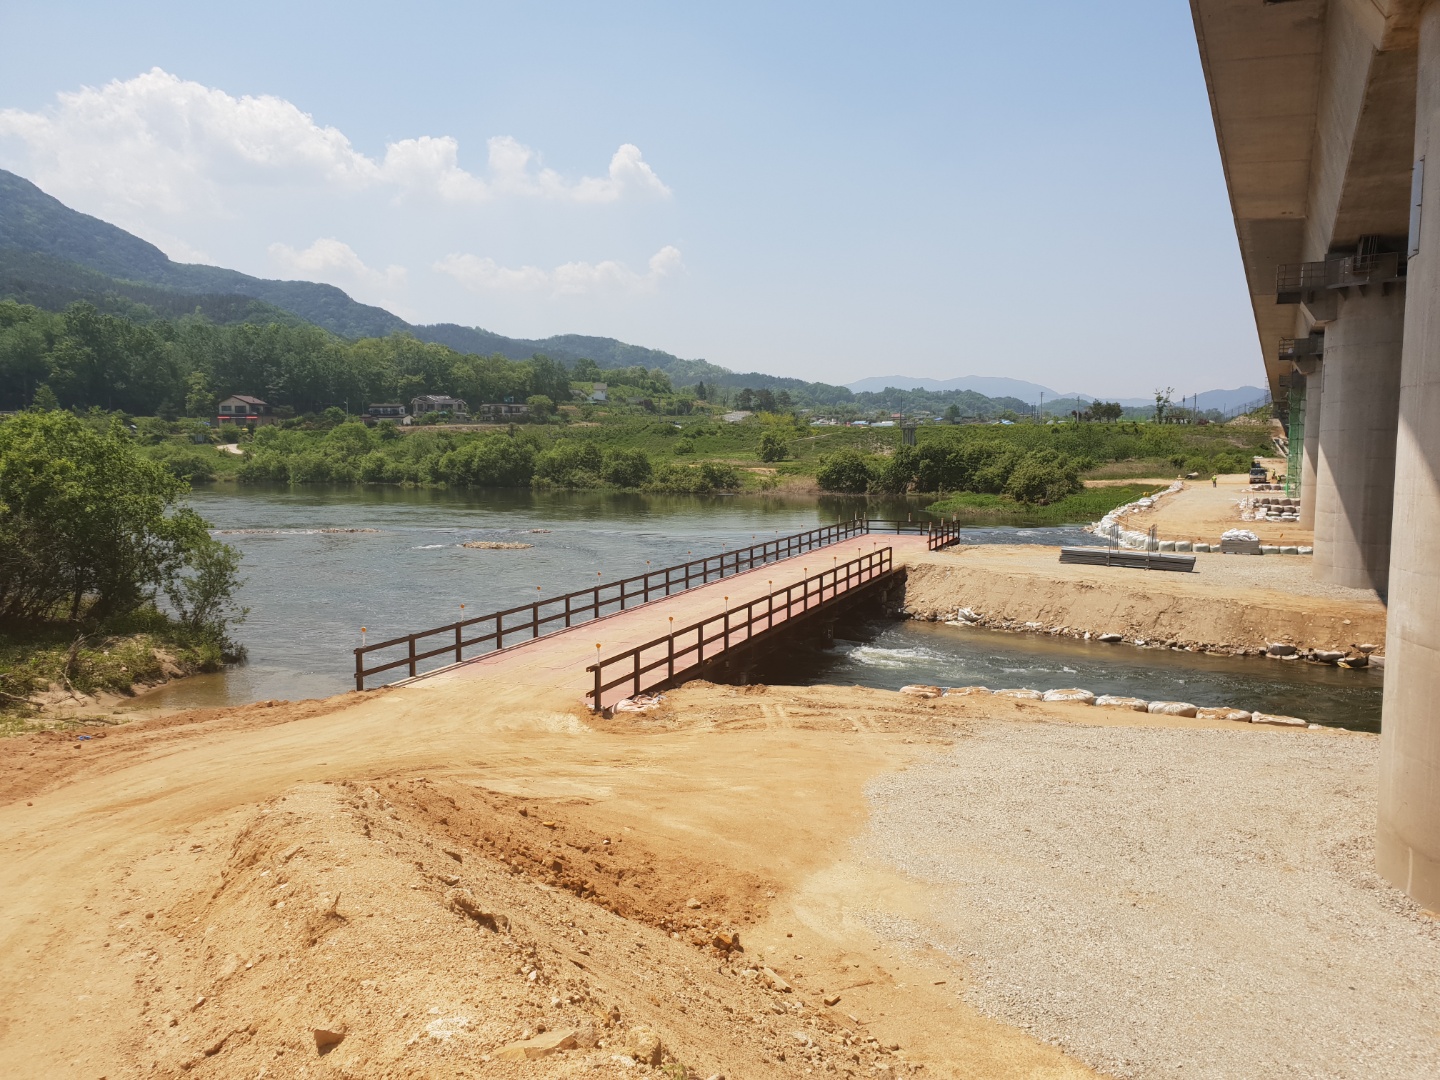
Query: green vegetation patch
1080	508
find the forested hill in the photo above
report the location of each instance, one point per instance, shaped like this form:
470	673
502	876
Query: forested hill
52	256
34	223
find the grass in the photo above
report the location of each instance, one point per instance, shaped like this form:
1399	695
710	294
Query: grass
1134	468
110	658
1083	508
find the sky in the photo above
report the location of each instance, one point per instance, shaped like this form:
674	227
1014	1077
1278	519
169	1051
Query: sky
823	190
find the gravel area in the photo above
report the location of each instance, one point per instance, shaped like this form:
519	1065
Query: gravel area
1169	903
1284	573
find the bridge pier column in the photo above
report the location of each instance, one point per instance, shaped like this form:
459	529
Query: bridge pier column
1407	842
1355	473
1310	459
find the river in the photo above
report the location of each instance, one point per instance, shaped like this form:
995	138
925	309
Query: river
320	563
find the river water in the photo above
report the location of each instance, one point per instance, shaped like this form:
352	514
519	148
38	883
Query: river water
313	578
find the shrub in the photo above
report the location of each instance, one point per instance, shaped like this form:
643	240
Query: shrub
1043	477
570	464
847	471
492	461
626	468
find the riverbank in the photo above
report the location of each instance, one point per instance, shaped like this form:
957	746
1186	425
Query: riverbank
54	675
1232	604
439	877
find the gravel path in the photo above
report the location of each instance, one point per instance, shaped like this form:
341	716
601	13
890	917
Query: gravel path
1170	903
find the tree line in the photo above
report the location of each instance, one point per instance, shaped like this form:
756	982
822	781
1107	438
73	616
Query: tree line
82	358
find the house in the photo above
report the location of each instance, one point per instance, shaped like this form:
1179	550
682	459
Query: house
389	410
436	403
502	410
244	409
599	392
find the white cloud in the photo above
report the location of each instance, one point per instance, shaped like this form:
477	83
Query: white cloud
327	259
161	142
570	279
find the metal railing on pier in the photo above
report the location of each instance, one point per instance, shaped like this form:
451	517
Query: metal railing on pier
659	661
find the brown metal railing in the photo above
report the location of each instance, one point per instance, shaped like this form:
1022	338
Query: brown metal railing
661	660
530	621
938	534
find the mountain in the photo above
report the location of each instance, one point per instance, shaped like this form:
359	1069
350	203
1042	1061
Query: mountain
990	386
51	256
1029	393
34	223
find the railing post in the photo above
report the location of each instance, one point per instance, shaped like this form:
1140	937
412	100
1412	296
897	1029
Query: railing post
359	670
671	668
727	627
637	674
499	632
597	687
534	621
459	636
567	610
412	656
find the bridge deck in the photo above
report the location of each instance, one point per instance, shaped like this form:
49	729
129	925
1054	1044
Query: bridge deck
560	660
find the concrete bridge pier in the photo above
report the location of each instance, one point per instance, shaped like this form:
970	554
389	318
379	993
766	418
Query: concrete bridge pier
1314	375
1355	471
1407	843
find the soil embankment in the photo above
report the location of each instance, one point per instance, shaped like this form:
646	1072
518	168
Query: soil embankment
1231	603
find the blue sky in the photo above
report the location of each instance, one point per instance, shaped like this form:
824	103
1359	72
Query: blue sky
829	191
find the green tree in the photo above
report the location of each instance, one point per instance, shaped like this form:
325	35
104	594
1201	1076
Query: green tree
87	525
200	399
846	471
540	406
1162	403
1043	477
45	399
626	468
774	446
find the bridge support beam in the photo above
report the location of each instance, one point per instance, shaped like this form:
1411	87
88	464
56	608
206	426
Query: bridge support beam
1310	454
1407	842
1355	472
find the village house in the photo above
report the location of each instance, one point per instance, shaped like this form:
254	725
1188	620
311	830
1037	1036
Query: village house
502	410
599	392
437	403
389	410
244	409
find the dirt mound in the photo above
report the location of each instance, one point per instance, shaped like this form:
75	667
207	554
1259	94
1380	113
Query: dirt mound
542	840
349	935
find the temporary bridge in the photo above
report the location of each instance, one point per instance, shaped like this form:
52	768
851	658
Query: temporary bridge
620	638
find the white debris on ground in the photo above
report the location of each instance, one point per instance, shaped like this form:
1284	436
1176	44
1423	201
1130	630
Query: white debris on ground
1086	697
640	703
1178	903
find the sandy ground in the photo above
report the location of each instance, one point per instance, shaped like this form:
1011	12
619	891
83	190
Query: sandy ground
283	865
1202	512
1231	602
440	871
